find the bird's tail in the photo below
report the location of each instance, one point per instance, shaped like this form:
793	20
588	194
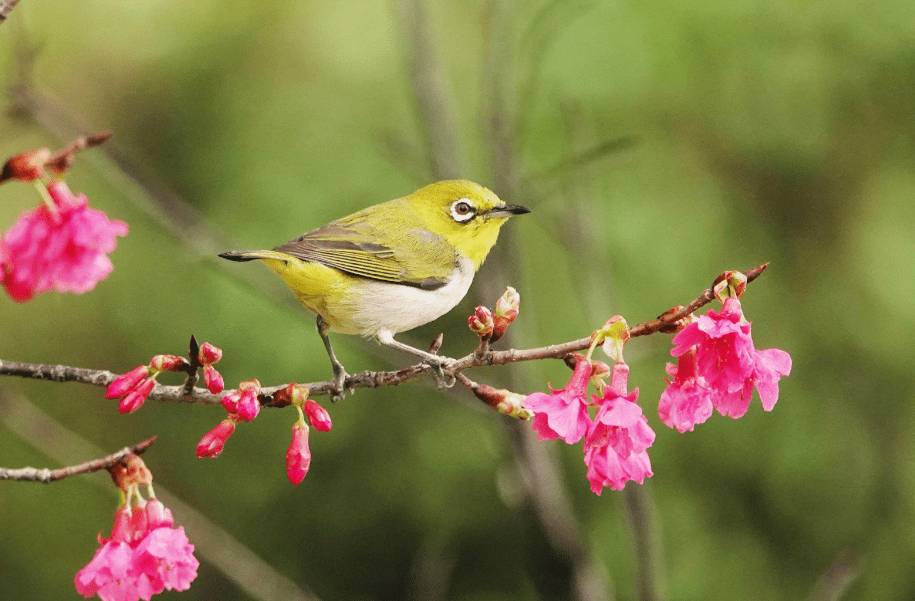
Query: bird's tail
253	255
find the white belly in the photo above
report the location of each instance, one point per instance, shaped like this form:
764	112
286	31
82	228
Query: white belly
398	308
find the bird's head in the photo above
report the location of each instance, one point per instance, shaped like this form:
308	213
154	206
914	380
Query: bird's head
466	214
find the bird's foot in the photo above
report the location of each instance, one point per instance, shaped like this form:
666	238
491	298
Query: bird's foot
439	365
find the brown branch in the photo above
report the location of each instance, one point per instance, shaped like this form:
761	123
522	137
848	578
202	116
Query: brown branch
365	379
6	7
46	476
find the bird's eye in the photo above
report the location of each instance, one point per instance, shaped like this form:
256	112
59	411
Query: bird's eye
463	210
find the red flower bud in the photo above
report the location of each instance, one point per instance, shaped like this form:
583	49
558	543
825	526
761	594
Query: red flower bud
158	514
298	457
212	443
209	353
480	322
168	363
230	402
213	379
136	397
26	167
126	382
248	405
318	416
506	312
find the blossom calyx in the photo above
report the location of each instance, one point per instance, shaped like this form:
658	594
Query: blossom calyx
728	284
506	312
26	167
481	322
612	337
131	471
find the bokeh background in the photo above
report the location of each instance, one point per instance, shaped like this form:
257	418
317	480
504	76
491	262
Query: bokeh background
658	143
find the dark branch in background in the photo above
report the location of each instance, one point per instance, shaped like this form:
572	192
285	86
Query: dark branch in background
366	379
6	7
46	476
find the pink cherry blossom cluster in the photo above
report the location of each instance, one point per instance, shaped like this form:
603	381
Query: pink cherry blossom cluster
615	440
718	368
134	387
243	405
145	554
61	245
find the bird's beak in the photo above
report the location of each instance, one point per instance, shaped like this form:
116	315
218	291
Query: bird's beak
507	211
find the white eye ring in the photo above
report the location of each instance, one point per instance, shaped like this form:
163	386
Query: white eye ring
463	210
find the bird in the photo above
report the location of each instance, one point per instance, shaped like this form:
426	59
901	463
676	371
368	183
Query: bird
391	267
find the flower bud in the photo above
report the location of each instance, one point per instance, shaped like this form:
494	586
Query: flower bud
506	312
481	322
26	167
126	382
212	443
504	401
168	363
615	333
298	457
213	379
136	397
157	514
230	402
248	405
209	353
317	416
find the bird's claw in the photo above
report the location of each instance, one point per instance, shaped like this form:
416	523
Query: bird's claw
338	391
442	379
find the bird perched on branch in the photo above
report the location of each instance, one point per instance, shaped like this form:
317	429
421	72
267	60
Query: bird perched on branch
393	266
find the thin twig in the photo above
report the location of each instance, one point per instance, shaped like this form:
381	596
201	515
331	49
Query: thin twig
6	7
366	379
46	476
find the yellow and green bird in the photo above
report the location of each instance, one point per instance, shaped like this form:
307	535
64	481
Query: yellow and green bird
393	266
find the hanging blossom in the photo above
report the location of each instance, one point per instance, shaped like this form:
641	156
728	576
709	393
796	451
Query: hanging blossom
727	368
618	438
62	245
563	413
145	554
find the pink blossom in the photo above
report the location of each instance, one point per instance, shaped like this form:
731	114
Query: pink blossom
108	574
165	557
214	441
65	249
686	401
564	413
136	397
728	362
615	447
126	382
317	416
213	379
298	457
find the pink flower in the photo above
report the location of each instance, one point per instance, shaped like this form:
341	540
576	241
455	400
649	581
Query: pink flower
65	249
213	379
144	556
615	447
686	401
126	382
214	441
298	457
317	416
728	362
248	405
166	558
564	413
136	397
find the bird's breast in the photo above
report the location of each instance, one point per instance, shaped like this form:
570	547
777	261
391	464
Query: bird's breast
398	308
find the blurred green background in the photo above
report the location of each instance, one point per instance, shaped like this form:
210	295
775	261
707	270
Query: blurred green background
658	143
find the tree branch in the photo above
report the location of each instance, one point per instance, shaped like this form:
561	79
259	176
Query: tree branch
46	476
365	379
6	7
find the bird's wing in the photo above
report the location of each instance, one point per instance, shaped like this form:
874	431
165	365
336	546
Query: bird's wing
412	256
